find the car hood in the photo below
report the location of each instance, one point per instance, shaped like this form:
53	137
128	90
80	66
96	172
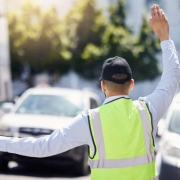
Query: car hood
169	138
36	121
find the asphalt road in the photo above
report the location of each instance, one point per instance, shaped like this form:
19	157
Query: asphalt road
19	172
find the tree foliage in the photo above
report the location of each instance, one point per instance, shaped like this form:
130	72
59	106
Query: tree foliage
37	38
148	45
115	38
81	40
138	50
88	27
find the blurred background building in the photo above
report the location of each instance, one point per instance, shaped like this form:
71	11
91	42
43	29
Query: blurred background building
5	74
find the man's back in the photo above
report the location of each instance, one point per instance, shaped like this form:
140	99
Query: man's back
122	135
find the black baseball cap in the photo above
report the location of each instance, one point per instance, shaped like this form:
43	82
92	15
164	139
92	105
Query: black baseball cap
116	65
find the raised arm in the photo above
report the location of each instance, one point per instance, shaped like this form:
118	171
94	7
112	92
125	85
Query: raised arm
159	23
163	95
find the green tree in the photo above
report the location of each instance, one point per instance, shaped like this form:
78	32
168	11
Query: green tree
97	37
86	27
139	51
148	45
118	14
37	38
81	40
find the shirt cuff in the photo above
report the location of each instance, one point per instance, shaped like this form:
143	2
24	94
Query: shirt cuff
167	44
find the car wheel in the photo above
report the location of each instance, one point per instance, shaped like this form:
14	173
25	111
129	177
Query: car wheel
82	167
3	165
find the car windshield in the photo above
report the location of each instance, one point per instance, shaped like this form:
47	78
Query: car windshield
174	125
51	105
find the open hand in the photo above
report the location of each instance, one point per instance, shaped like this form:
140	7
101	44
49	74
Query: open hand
159	23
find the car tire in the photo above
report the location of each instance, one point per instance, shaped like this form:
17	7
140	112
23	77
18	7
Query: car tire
82	168
3	165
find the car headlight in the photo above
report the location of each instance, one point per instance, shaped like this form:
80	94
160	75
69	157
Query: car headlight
172	150
8	131
4	128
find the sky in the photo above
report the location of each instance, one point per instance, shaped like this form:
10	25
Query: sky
62	5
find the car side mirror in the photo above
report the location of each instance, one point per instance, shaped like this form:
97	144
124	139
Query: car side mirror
16	98
7	107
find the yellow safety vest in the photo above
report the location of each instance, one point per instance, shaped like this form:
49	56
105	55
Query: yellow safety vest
123	145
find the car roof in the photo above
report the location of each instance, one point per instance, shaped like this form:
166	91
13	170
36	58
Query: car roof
53	90
85	94
61	91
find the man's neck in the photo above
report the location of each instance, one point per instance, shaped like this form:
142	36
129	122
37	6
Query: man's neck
116	94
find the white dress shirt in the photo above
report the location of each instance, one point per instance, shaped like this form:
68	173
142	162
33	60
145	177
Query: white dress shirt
77	132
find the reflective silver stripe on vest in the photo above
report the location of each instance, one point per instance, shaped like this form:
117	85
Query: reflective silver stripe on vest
102	162
155	178
146	127
119	163
97	127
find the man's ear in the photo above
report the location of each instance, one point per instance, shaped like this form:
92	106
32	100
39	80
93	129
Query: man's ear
131	84
103	88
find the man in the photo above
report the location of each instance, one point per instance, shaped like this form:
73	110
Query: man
121	132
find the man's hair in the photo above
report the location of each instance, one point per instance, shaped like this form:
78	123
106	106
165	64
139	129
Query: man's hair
114	87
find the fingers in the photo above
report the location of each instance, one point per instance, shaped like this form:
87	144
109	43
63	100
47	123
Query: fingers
153	11
150	21
157	13
159	22
162	16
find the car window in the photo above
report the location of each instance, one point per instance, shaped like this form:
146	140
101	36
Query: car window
51	105
174	125
93	103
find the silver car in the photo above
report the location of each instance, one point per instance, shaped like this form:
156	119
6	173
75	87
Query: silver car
168	155
40	111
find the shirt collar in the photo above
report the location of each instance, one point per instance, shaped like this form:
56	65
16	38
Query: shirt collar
112	98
